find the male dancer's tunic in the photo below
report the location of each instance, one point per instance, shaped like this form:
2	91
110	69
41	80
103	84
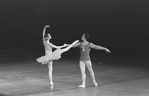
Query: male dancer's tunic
84	52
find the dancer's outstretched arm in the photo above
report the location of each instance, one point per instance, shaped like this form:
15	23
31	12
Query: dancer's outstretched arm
44	30
99	47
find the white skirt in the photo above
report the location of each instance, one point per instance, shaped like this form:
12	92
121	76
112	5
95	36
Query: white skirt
45	59
50	56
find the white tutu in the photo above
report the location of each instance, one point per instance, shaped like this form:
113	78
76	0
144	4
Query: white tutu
45	59
50	56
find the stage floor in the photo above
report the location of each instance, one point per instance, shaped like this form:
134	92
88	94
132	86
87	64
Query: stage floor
115	78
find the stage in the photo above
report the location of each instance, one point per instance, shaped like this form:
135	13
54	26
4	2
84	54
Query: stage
116	77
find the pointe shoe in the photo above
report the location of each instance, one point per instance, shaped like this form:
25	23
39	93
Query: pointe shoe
75	42
82	86
51	85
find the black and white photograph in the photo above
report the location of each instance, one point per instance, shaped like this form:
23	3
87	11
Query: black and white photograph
74	48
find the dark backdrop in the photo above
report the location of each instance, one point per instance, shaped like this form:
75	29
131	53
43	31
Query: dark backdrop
120	25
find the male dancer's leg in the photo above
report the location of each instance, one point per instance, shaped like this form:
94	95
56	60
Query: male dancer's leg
89	66
82	68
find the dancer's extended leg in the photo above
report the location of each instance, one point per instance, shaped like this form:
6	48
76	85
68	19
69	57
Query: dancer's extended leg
89	66
67	48
82	67
50	66
57	53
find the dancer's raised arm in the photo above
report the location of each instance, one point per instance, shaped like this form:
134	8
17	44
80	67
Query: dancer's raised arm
99	47
44	30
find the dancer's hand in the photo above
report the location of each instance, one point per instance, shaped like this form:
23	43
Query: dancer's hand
77	40
64	45
107	50
47	26
68	44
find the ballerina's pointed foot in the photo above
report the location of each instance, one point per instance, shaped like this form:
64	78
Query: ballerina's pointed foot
51	85
75	41
82	86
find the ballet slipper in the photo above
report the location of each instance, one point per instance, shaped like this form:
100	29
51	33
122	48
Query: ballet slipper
95	83
51	85
82	86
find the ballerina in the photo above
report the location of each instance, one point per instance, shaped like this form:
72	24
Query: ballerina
50	56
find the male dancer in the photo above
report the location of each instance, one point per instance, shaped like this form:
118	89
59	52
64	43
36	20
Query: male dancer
85	61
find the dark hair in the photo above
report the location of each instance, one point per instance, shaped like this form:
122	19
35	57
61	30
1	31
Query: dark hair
86	36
